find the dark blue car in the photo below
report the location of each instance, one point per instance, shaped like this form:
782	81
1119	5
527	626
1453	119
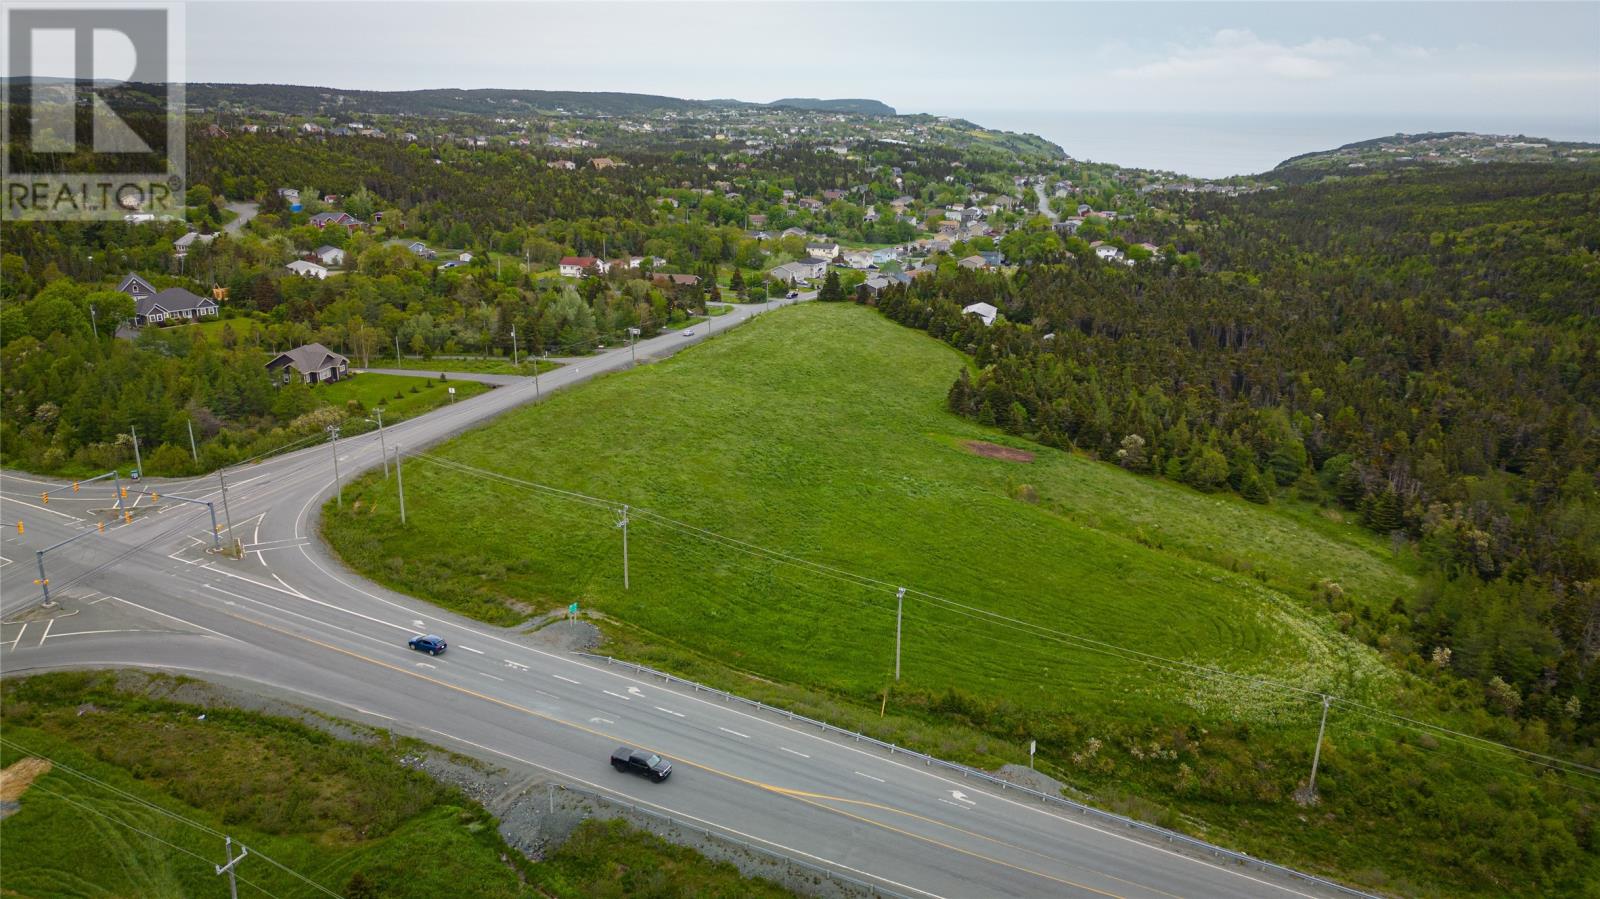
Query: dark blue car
429	644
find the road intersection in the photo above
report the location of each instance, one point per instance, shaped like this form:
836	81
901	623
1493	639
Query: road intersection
288	618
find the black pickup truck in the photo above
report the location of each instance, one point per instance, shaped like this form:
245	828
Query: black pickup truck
639	761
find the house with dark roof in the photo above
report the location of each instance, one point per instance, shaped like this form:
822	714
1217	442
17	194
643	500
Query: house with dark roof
136	287
172	304
314	363
324	219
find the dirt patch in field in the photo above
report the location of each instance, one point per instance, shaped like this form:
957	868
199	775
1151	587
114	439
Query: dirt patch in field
996	451
15	780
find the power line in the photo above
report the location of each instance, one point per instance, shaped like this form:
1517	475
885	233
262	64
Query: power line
184	819
1078	641
144	833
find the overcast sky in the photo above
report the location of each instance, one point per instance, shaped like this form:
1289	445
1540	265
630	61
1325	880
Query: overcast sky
1526	59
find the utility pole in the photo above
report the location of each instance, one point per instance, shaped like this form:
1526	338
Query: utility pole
400	482
192	450
94	322
233	886
513	346
633	340
899	612
397	361
1316	755
138	463
382	448
621	523
333	435
226	515
536	367
44	582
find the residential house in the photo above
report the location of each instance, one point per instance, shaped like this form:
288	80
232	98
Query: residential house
758	221
973	262
808	203
793	232
1106	251
182	245
993	258
305	268
576	266
603	162
314	363
876	283
807	269
174	303
859	259
831	195
328	254
136	287
982	310
564	164
465	257
666	280
826	250
324	219
420	250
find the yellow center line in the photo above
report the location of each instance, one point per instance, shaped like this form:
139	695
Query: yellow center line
797	795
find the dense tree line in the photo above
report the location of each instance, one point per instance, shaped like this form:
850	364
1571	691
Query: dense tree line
1421	351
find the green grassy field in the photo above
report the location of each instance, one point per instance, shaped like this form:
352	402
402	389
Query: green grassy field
338	812
821	432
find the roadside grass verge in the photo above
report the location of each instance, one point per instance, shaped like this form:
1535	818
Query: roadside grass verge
480	366
345	814
401	396
1090	607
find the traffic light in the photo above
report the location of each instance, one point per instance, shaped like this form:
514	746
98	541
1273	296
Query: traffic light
127	518
102	525
45	497
19	525
74	486
155	497
124	493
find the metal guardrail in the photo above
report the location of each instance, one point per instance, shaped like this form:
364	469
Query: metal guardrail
1148	830
846	880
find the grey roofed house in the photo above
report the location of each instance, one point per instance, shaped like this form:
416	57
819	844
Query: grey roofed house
973	261
188	240
985	311
136	287
172	303
314	363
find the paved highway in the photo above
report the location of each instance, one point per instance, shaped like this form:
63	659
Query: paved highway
289	619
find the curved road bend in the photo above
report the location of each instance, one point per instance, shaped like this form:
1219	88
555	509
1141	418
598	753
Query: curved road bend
290	619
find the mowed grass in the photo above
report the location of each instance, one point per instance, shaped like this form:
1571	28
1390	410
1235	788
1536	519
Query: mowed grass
394	393
105	821
821	432
474	365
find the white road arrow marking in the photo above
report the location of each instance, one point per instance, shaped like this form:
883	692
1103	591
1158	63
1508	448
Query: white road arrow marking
425	665
419	624
601	721
959	796
634	691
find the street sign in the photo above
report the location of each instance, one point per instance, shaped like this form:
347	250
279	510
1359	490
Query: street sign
1033	746
572	610
452	391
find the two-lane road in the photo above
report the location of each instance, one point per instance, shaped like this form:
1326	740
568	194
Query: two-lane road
289	618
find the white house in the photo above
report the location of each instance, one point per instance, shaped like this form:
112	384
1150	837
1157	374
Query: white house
807	269
575	266
465	257
330	255
983	311
1107	252
826	250
307	269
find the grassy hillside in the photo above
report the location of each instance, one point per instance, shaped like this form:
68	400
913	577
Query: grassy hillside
341	813
821	431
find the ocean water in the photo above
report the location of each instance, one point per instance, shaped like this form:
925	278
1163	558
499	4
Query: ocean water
1223	144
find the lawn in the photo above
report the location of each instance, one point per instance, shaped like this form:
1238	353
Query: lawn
341	812
821	432
477	365
401	396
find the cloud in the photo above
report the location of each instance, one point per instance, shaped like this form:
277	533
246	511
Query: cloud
1239	54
